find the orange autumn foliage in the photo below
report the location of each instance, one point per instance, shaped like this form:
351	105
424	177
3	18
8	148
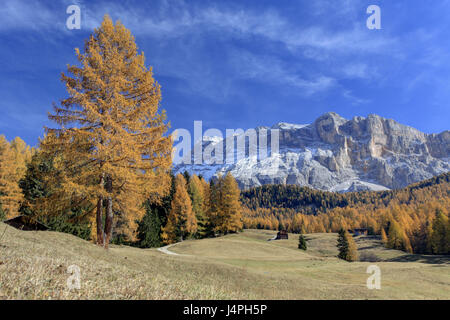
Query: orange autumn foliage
111	141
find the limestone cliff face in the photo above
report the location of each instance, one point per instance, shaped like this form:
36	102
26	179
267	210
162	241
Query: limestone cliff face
336	154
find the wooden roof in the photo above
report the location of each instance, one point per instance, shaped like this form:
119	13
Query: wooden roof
26	223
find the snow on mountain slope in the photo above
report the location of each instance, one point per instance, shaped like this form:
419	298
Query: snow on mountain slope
337	154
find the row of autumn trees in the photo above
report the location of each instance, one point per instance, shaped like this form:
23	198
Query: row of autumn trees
414	219
107	162
193	209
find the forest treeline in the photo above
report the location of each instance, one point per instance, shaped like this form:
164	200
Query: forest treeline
413	219
192	208
311	201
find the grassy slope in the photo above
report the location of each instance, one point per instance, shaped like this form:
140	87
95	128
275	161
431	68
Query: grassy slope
33	266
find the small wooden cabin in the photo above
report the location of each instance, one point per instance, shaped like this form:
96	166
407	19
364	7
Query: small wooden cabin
361	231
282	235
26	223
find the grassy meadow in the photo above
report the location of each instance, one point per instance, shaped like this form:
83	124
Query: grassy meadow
33	265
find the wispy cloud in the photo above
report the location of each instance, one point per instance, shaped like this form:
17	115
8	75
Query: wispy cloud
27	15
358	70
272	70
182	19
354	100
345	52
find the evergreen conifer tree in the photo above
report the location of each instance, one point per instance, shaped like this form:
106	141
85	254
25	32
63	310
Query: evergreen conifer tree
302	242
150	227
2	213
347	246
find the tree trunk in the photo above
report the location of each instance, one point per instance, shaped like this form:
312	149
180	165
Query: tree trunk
100	221
100	231
109	222
109	212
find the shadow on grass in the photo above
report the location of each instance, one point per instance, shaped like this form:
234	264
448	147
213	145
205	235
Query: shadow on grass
441	259
375	246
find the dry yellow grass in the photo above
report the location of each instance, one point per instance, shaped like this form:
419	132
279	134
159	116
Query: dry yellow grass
33	265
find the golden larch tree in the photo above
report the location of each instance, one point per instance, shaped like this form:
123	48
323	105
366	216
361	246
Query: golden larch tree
227	206
384	238
181	221
22	154
112	132
352	254
197	193
12	168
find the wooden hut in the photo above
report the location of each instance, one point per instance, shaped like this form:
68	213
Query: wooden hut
26	223
282	235
360	231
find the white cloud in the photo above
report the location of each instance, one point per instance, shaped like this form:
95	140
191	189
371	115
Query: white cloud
352	98
182	20
272	70
26	15
358	70
348	47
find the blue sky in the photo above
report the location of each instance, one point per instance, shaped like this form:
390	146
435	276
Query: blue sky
241	64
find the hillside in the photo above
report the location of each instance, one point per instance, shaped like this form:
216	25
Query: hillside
418	213
310	201
241	266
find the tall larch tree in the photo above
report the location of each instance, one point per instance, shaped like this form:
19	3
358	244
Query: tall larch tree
227	205
181	221
207	207
214	212
384	238
439	237
196	193
112	132
352	254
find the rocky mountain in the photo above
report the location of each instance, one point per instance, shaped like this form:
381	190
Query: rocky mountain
337	154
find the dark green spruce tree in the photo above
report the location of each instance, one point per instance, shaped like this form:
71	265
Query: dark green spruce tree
302	242
342	245
149	229
347	247
34	187
2	213
187	176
